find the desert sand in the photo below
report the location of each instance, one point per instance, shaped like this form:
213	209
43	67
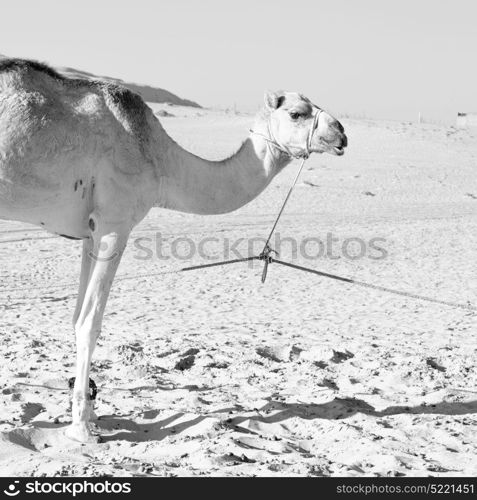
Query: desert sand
212	373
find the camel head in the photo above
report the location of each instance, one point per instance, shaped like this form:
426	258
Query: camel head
301	127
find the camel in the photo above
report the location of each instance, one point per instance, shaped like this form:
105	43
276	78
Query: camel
88	159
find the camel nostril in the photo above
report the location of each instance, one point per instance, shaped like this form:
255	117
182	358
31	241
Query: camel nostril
344	141
338	126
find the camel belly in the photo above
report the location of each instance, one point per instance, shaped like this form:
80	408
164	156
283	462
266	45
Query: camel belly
59	203
61	216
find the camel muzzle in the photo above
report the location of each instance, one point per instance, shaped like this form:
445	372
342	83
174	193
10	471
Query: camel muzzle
337	140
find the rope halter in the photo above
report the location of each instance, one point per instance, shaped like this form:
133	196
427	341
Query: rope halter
304	151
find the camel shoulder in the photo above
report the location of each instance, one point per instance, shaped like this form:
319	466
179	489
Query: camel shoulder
128	108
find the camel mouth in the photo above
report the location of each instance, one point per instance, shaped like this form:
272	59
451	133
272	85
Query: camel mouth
335	147
334	150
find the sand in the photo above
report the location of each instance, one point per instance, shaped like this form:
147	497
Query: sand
211	373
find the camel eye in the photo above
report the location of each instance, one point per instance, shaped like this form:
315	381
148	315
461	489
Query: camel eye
294	116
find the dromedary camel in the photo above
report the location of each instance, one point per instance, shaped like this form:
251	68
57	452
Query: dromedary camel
88	159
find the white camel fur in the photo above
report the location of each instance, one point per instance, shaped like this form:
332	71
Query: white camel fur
88	159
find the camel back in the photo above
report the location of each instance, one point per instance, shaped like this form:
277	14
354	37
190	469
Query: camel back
126	105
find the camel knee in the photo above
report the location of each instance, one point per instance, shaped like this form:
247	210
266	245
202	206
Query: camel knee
87	332
85	327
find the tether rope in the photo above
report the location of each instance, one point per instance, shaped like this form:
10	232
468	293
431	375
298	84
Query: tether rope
378	287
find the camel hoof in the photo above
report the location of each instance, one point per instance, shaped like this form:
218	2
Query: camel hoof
81	434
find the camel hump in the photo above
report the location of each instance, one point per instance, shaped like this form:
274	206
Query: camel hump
126	106
26	66
129	109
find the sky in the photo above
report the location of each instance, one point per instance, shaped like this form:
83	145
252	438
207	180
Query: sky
379	59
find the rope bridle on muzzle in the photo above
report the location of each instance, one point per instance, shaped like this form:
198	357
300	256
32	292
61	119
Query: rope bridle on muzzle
303	151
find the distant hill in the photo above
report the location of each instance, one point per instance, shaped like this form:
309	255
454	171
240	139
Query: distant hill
148	93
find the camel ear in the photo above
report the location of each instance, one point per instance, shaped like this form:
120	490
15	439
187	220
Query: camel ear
273	100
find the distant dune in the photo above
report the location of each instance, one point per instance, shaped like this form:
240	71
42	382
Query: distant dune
148	93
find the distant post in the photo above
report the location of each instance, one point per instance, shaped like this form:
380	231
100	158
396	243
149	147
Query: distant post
419	118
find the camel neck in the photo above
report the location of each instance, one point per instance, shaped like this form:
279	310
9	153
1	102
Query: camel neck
188	183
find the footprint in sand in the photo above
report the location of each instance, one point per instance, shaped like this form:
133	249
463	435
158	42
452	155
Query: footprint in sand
279	353
30	411
185	363
187	360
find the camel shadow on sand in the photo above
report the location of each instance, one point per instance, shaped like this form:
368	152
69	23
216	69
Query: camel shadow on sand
112	427
341	408
129	430
122	428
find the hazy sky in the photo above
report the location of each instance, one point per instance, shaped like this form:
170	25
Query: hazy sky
385	59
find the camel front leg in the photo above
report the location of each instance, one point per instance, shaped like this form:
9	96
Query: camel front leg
108	247
86	261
